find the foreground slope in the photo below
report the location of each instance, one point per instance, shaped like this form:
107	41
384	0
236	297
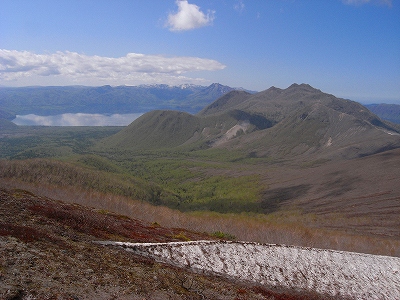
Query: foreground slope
54	250
47	252
299	121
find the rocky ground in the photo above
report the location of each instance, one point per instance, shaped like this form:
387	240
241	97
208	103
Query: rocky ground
47	251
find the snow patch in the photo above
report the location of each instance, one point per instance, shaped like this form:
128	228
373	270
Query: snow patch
334	273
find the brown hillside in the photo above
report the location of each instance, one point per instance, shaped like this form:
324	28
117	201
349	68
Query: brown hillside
360	195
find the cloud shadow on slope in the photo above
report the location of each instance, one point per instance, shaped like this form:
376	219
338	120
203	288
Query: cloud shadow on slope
271	200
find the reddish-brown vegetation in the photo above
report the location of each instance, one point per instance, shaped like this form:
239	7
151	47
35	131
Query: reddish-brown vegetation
24	233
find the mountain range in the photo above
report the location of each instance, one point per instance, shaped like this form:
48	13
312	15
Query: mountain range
106	99
278	123
54	100
389	112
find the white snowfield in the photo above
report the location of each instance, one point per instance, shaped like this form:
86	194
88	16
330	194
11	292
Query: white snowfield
336	274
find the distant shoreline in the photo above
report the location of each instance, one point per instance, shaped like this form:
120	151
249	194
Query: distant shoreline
76	119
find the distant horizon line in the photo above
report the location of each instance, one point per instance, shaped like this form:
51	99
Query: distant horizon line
365	100
123	85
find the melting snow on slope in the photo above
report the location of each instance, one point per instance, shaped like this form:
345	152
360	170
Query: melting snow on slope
334	273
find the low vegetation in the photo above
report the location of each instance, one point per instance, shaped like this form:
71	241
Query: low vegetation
59	174
286	227
223	236
165	182
23	142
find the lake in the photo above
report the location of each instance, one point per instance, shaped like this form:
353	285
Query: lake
77	119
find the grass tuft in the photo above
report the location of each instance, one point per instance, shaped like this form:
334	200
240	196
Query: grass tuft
181	236
223	236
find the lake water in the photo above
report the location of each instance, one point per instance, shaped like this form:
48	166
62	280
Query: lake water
78	119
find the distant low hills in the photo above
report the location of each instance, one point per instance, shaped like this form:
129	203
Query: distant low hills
389	112
106	99
276	123
6	125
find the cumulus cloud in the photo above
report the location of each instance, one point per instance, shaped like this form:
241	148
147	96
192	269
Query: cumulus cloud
131	69
189	16
361	2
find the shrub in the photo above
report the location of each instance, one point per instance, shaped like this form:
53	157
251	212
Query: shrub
181	236
223	236
155	224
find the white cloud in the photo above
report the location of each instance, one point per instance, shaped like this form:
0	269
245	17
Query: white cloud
189	16
361	2
132	69
239	6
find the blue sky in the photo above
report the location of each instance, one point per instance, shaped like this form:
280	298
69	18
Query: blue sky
349	48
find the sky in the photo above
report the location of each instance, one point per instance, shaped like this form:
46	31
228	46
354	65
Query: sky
349	48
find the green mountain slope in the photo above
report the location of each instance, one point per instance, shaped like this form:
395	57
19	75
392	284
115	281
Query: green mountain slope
156	129
166	129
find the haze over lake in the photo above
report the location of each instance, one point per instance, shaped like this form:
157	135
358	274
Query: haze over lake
77	119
